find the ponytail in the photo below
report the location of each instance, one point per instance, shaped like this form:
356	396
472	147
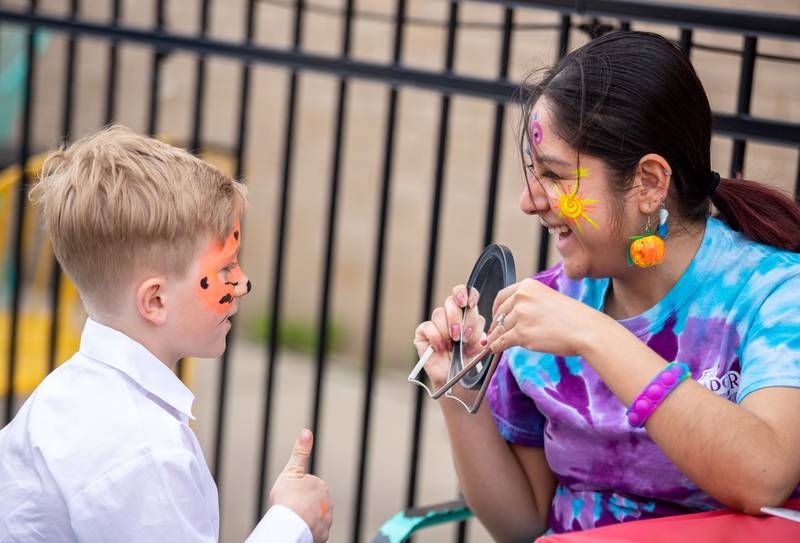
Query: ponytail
763	214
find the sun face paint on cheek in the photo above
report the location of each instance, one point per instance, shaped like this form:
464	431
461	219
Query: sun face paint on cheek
216	294
571	205
536	129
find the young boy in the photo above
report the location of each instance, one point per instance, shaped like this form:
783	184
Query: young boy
102	451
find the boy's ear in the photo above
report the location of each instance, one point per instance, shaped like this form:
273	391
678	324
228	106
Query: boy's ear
654	175
150	300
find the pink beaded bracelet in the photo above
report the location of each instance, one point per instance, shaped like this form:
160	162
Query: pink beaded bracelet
655	392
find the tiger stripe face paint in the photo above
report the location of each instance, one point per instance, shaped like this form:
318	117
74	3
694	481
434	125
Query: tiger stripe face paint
220	275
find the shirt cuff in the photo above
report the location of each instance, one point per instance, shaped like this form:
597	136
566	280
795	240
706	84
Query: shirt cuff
281	525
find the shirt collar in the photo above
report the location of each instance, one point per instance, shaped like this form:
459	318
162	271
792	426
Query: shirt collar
115	349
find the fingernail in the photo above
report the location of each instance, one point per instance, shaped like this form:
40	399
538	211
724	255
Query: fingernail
473	300
455	332
468	332
484	341
305	435
460	299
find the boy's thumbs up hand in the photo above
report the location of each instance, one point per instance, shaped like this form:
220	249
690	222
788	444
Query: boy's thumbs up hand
305	494
298	462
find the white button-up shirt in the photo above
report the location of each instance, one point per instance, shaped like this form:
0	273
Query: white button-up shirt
102	451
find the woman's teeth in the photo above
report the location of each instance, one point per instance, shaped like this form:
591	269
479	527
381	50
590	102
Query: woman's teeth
556	230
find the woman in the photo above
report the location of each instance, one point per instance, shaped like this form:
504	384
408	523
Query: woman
587	423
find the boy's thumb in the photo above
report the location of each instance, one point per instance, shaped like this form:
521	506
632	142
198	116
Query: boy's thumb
300	453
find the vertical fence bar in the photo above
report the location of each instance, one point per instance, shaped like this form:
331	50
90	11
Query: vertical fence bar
200	83
281	233
499	130
69	76
111	85
197	125
494	168
563	35
155	73
22	160
744	98
563	48
241	142
330	242
686	41
66	135
377	276
797	181
433	240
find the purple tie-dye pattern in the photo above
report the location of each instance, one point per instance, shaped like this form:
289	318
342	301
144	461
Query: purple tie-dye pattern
635	324
607	471
508	399
704	340
665	342
571	390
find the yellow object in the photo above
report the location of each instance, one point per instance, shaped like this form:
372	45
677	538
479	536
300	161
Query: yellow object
34	318
579	173
573	207
647	251
32	358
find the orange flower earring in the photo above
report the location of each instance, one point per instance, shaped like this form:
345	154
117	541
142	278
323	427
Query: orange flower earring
649	250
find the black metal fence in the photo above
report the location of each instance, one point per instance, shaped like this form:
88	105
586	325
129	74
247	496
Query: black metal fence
574	17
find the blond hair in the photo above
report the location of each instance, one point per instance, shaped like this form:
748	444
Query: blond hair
116	203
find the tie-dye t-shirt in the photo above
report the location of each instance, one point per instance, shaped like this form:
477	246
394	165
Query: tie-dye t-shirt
733	317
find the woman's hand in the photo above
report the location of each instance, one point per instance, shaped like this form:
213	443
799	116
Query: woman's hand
445	327
538	318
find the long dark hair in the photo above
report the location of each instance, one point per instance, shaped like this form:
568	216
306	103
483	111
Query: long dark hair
627	94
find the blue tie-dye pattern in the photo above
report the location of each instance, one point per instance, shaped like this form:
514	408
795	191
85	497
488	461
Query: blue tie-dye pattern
598	505
574	364
735	311
625	508
577	507
620	512
544	373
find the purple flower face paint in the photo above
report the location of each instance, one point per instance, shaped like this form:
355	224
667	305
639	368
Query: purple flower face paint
536	129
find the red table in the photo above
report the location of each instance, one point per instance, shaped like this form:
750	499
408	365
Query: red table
725	526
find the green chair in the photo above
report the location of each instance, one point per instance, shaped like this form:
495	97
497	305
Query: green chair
403	524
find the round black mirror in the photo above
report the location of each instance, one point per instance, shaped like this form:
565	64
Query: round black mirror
493	271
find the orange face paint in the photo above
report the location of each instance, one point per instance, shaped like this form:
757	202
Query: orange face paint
215	287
